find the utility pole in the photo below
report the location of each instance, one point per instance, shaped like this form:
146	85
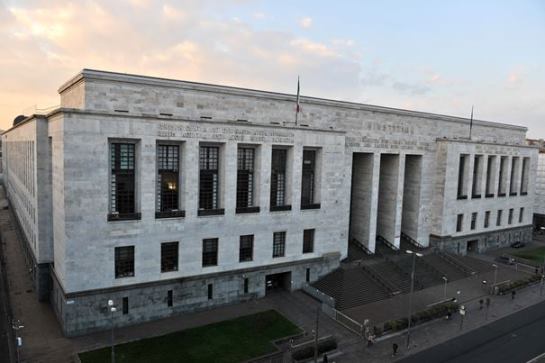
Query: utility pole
112	309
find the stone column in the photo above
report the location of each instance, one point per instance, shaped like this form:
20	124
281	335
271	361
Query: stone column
190	177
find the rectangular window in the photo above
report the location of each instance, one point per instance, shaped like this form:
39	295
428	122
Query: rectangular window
473	220
278	177
490	176
124	261
210	291
498	218
503	176
125	305
462	177
169	298
308	179
477	176
521	215
308	241
524	176
513	187
307	278
246	285
245	179
279	244
209	252
246	250
167	188
209	178
486	219
459	222
122	179
510	216
169	256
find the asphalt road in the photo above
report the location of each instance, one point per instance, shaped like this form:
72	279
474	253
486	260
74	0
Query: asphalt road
513	339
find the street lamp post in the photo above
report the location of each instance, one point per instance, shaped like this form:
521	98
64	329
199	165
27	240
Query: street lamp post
16	325
414	254
445	290
541	287
112	309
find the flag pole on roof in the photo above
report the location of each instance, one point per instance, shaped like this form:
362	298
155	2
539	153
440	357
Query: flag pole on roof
297	105
471	122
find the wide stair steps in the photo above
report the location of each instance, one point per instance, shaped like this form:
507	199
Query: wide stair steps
351	287
472	263
425	274
451	271
388	270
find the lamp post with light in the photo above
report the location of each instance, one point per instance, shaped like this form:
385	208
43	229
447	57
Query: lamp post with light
112	309
415	255
16	325
445	291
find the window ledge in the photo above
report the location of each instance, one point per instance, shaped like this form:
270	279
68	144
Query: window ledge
210	212
170	214
513	194
460	197
279	208
523	193
476	196
112	217
501	194
124	276
248	260
311	206
247	210
489	196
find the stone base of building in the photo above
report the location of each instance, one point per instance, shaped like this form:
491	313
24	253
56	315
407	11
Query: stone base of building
481	242
85	312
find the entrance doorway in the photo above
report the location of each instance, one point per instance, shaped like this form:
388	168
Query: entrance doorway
276	282
472	246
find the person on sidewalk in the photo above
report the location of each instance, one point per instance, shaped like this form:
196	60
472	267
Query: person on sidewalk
513	293
394	349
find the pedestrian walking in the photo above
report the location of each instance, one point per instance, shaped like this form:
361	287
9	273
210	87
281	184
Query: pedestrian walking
513	293
394	349
537	271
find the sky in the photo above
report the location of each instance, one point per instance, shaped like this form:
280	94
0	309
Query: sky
435	56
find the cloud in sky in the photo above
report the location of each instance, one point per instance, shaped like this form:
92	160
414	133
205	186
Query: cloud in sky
45	43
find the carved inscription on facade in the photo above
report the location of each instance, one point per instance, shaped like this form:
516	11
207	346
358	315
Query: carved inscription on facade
224	133
385	143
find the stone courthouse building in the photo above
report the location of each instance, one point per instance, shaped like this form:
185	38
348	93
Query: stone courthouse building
170	196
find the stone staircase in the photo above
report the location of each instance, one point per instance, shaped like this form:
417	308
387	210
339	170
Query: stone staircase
451	271
394	275
351	287
425	275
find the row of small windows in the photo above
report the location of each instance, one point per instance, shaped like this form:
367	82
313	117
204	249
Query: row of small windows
519	177
20	162
486	221
124	256
123	180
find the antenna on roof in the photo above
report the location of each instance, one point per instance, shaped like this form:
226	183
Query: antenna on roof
471	122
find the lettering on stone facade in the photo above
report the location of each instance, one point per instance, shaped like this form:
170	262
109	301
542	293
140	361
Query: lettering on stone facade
389	128
385	143
224	133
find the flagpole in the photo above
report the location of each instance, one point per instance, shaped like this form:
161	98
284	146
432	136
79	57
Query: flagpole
471	122
297	103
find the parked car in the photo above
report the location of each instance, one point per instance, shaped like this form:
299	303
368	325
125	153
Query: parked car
508	260
518	244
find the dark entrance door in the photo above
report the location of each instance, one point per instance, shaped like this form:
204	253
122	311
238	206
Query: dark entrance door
472	245
280	281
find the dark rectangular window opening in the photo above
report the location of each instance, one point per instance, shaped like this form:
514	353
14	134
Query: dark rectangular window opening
510	216
308	241
459	222
169	256
209	178
279	244
245	178
167	193
512	186
502	175
498	218
476	185
461	177
521	215
486	219
473	220
307	278
124	262
308	178
210	291
524	176
246	250
169	298
122	182
210	252
278	178
125	305
246	283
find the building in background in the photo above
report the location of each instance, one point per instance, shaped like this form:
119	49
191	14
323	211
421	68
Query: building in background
169	196
539	206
